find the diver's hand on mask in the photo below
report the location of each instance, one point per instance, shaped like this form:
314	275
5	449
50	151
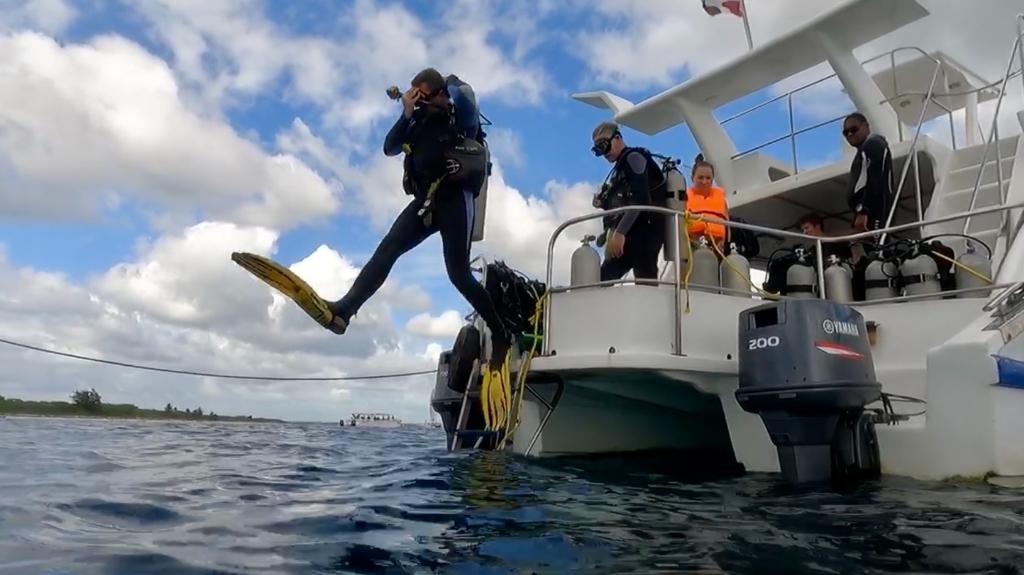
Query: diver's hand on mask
597	201
409	101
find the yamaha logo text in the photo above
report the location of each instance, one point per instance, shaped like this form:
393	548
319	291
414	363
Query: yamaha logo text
832	326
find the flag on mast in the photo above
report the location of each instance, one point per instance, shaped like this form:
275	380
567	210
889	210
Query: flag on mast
734	7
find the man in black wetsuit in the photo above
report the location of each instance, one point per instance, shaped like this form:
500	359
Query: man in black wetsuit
433	109
634	238
871	185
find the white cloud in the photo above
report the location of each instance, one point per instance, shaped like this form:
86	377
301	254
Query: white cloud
506	147
183	304
87	125
227	51
651	43
50	16
519	226
446	325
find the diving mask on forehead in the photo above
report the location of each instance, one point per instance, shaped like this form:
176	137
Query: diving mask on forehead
602	145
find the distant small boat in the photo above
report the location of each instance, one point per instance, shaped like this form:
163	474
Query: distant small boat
385	420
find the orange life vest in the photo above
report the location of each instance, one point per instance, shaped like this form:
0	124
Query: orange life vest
712	205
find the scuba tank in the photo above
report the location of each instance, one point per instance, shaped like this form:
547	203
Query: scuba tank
675	199
705	266
838	281
800	277
878	279
979	263
585	265
920	274
735	270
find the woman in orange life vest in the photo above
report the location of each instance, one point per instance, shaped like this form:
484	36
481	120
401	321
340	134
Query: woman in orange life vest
703	198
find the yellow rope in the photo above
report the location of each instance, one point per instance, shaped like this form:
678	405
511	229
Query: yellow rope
975	273
687	218
763	293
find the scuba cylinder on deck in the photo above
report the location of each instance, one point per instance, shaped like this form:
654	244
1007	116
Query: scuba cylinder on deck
800	277
920	274
979	264
878	279
586	264
735	272
705	266
838	281
675	199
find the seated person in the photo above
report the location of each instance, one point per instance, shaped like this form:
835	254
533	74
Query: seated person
814	225
704	198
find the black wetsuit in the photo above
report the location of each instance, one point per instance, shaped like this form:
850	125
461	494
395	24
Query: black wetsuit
452	215
871	185
636	180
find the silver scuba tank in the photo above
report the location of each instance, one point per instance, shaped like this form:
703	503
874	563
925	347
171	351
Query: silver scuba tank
675	194
920	274
585	265
800	277
878	280
735	271
705	266
838	281
977	262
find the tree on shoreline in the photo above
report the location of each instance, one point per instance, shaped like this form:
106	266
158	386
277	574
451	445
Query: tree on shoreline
88	400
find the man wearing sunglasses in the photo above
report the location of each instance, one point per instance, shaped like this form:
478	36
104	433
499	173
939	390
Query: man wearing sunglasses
432	108
634	238
871	185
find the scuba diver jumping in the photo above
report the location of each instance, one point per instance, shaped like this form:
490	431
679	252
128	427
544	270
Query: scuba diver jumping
445	168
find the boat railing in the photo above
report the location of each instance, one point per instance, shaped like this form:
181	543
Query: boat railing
912	156
788	97
993	136
677	280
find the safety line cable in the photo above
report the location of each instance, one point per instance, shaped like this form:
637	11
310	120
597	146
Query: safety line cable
209	374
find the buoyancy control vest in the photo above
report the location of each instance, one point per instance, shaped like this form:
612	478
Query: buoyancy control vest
616	193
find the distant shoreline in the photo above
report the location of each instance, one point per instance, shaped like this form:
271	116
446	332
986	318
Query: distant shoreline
219	419
22	408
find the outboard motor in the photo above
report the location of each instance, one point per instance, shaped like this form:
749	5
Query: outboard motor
705	266
981	264
805	367
585	265
838	281
444	400
735	271
879	279
800	277
920	274
675	199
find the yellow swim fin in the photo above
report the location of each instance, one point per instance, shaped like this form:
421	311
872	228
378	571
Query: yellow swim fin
285	281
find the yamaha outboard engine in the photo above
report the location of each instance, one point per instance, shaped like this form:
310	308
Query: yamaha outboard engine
805	367
444	400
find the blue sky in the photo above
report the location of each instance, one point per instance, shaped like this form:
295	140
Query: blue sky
142	141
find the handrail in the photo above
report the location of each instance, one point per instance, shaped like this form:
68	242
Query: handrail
993	303
912	158
994	132
793	132
818	241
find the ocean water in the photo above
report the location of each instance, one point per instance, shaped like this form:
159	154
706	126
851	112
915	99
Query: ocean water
93	496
